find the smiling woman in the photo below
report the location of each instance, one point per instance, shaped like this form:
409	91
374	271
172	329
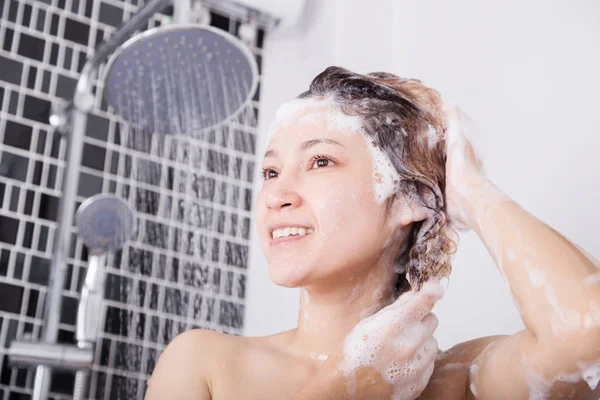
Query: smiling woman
382	109
363	176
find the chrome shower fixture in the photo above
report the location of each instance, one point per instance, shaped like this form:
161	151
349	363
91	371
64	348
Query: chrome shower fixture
105	223
178	79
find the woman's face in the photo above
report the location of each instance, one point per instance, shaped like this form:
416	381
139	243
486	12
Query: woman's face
319	176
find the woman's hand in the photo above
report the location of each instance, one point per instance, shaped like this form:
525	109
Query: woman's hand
391	354
464	170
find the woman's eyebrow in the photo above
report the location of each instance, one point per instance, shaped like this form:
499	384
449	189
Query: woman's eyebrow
307	145
310	143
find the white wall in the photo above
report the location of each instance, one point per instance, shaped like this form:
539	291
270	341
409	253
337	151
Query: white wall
525	71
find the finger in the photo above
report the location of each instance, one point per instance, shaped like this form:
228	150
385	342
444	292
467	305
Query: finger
422	303
426	374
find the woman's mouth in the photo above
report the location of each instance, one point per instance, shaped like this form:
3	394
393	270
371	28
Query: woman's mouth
290	234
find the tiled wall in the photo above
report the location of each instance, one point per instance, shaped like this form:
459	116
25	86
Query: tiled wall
152	293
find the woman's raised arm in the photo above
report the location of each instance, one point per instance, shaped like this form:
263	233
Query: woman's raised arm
556	287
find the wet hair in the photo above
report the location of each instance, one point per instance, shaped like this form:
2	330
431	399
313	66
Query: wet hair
404	120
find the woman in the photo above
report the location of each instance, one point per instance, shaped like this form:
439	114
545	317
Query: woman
364	175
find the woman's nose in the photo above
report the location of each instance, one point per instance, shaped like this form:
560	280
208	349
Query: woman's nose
283	197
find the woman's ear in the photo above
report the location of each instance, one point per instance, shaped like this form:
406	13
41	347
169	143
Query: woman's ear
412	205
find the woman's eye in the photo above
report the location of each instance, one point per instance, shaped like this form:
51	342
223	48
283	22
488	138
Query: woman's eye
321	161
268	174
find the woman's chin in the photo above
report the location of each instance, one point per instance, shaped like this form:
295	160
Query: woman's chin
289	276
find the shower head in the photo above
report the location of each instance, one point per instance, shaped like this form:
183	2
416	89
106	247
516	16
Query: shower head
105	223
180	78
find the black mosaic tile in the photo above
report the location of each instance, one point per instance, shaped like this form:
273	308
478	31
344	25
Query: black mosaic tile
6	372
40	270
31	47
77	31
17	135
62	382
110	15
8	234
241	286
4	257
28	210
81	62
53	55
36	109
256	96
32	77
19	266
68	313
245	228
41	20
68	57
65	87
66	336
219	21
231	314
248	200
236	255
89	4
21	377
13	102
10	297
124	388
75	6
26	15
34	296
46	76
12	11
260	38
99	38
48	207
54	22
10	70
9	34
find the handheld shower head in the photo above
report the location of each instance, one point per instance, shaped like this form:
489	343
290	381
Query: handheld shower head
105	223
180	78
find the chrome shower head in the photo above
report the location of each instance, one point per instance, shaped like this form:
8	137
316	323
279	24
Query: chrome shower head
105	223
180	78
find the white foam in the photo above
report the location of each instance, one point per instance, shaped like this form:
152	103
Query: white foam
370	339
432	136
324	110
537	278
539	388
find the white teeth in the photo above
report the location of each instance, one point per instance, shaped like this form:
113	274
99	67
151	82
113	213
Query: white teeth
277	233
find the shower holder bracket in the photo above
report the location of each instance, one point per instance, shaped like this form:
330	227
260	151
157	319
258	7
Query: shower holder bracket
60	356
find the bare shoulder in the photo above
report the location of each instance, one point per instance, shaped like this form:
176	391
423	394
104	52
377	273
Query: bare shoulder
450	377
185	368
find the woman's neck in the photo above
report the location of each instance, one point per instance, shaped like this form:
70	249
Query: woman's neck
328	314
